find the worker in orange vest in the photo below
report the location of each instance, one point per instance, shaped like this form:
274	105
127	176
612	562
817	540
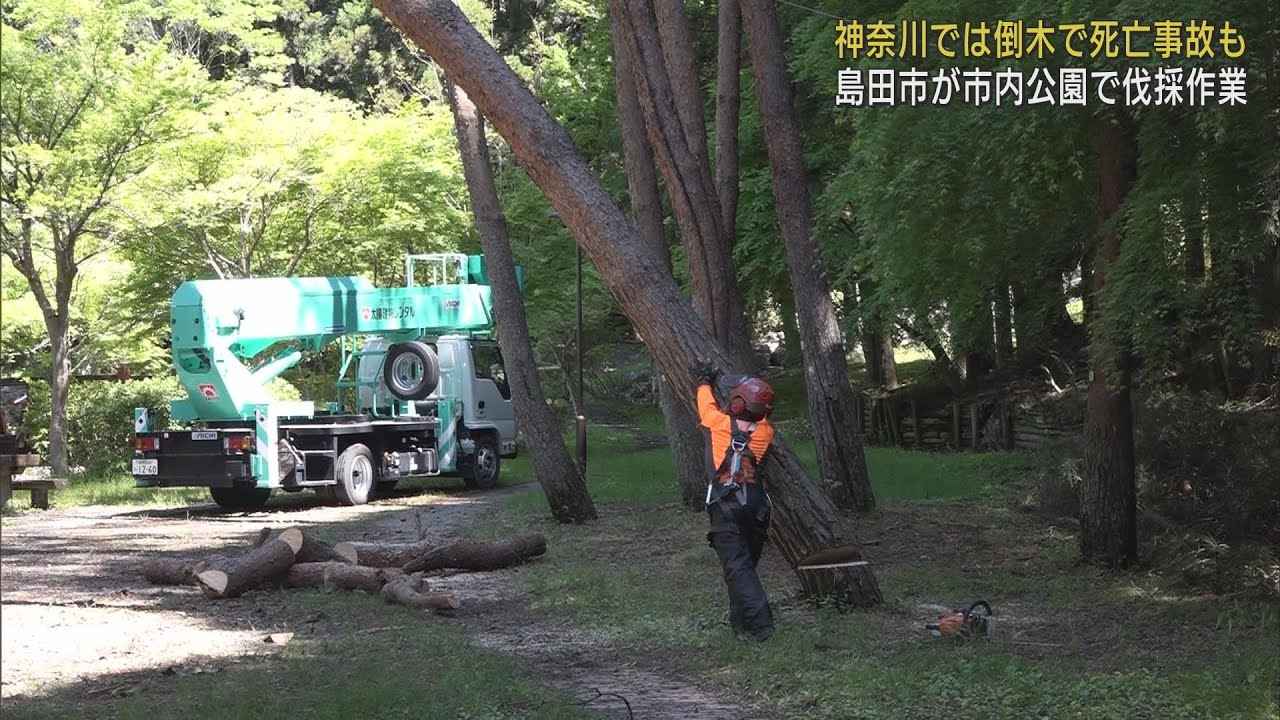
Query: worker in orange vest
737	503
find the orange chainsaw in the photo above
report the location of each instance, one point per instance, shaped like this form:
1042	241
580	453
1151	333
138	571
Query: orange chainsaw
966	624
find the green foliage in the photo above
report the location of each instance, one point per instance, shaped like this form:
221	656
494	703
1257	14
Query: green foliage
1211	465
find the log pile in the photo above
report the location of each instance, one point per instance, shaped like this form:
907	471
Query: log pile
296	559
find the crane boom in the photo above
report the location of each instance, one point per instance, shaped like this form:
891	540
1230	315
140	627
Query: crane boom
221	327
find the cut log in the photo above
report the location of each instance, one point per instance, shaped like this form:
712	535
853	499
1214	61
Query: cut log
168	571
272	559
470	555
402	592
315	550
382	554
340	576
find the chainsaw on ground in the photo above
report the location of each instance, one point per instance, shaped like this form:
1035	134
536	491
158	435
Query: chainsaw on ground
975	622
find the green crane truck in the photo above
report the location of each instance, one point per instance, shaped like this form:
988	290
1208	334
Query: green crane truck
419	364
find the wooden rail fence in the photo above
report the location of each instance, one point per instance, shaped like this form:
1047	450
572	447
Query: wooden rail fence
993	422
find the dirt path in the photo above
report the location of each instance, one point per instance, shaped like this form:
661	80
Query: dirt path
75	612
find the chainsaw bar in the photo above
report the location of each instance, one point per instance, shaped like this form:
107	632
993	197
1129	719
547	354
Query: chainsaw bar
853	563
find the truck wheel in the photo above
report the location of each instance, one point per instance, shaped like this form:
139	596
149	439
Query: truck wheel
240	498
411	370
480	471
355	475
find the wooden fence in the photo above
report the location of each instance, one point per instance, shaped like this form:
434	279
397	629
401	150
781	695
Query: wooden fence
985	422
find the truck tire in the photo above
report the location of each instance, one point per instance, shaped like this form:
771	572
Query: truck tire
411	370
355	475
480	470
240	498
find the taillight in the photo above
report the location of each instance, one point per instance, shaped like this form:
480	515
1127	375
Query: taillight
237	443
146	444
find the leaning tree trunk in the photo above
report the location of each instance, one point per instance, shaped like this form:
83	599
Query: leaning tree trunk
560	478
1108	498
831	404
646	209
805	518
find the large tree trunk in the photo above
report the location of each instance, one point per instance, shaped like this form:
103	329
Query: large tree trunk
60	389
792	353
560	478
805	517
1108	502
646	211
728	108
660	54
831	403
877	342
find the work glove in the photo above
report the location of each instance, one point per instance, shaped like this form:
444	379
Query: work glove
704	372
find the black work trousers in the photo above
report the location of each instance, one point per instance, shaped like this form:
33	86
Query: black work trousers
739	526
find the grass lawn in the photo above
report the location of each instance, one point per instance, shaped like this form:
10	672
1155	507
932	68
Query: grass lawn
1072	641
117	489
405	669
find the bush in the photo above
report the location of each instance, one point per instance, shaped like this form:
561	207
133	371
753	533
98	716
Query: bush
100	419
1210	465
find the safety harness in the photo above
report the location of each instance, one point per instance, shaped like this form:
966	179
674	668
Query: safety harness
732	466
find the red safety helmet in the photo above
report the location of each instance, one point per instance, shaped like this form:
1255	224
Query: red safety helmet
751	399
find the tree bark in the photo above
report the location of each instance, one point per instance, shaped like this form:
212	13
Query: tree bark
877	342
831	404
471	555
340	576
659	52
728	110
381	555
1108	502
559	476
402	592
272	559
168	571
646	211
805	519
314	550
60	390
792	352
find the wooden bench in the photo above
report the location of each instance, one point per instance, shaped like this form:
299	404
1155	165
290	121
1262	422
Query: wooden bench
39	488
11	465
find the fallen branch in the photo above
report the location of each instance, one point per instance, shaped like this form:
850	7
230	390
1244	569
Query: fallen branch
402	592
272	559
471	555
168	571
314	550
381	554
340	576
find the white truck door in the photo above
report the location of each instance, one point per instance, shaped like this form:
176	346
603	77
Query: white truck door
491	396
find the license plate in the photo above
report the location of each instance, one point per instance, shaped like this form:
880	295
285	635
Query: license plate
204	434
146	467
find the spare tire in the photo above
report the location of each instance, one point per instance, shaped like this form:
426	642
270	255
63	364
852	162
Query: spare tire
411	370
